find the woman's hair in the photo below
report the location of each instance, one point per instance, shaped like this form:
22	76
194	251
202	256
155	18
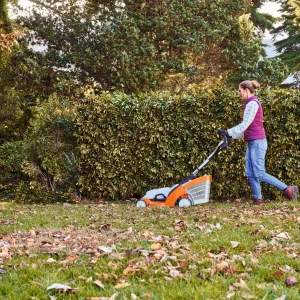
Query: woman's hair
252	85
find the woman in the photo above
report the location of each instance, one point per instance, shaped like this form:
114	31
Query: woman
252	129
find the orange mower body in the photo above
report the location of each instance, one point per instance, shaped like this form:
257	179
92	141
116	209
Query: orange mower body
193	192
189	191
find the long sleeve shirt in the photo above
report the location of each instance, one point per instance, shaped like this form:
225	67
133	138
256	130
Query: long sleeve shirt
248	117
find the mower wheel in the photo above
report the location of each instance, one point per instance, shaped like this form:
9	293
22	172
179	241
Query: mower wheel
184	202
141	203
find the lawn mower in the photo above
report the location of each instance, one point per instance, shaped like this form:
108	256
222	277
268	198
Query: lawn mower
189	191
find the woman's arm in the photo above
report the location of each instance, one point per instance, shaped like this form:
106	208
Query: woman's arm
248	117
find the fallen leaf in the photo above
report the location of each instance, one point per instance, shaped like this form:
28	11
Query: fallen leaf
122	285
61	287
254	260
133	297
277	274
247	296
174	273
223	266
156	246
160	254
283	235
130	269
231	294
105	249
241	284
71	258
234	244
283	297
114	296
99	284
166	278
50	260
290	281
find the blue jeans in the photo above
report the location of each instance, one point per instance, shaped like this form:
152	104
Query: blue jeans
255	167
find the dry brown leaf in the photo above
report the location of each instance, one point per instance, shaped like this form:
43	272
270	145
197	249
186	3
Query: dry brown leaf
254	260
283	235
277	274
283	297
61	287
174	273
99	284
241	284
179	225
168	278
234	244
71	258
247	296
290	281
122	285
156	246
212	271
223	266
131	269
105	249
50	260
159	254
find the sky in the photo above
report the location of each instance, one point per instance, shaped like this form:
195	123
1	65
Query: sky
271	8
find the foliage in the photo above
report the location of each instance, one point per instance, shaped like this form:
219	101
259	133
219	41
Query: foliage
50	161
270	71
128	145
50	143
8	34
35	192
250	64
144	45
12	155
25	82
4	19
118	251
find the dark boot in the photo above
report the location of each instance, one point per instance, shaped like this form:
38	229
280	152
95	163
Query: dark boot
256	202
291	192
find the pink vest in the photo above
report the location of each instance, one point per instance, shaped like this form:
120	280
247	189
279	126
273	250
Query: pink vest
256	130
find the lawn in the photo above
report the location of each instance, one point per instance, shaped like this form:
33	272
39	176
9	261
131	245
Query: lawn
117	251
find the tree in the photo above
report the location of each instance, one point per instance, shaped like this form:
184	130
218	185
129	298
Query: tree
140	45
261	21
289	46
8	35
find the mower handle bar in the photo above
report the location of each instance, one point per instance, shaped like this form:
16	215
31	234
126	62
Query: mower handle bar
221	146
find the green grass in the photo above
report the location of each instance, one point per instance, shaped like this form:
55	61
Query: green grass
153	253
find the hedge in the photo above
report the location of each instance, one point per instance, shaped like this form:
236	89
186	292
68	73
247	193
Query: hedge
130	144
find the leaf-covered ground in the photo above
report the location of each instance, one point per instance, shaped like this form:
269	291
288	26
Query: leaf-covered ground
118	251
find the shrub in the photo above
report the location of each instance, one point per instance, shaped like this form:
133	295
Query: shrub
130	144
